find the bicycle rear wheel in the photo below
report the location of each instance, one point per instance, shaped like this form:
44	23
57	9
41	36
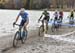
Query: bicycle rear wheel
16	39
53	28
41	31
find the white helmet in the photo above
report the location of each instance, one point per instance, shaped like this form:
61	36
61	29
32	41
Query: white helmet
22	10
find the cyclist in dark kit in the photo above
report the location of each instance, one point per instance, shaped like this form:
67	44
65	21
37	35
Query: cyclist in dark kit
71	18
45	18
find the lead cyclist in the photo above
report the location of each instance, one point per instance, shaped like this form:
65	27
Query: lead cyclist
25	20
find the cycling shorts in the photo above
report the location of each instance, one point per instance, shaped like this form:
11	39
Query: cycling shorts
23	22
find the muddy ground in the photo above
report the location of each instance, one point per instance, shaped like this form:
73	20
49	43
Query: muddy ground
36	44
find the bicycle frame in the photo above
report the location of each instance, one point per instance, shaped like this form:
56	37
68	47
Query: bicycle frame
20	28
44	26
19	36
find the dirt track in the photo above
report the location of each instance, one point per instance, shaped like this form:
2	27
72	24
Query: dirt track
36	44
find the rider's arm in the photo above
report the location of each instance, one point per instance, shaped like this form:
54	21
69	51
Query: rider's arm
17	17
41	17
16	20
28	18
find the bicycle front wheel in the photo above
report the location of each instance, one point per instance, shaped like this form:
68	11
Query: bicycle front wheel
16	39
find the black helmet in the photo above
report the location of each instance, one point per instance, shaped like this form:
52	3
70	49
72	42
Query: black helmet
45	10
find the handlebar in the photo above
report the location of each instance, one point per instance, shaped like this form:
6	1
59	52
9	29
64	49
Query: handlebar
16	25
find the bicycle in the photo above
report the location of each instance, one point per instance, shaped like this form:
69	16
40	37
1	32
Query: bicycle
43	28
71	21
56	25
19	36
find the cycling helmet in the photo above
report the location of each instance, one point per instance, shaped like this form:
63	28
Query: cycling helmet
22	10
45	10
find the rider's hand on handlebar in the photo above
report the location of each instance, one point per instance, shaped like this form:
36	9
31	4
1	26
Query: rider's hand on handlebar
14	24
38	20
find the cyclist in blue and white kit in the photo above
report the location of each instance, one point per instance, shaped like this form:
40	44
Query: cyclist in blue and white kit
24	21
55	16
56	19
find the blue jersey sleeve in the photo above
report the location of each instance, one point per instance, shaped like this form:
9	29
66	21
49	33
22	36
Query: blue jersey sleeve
27	15
19	14
23	15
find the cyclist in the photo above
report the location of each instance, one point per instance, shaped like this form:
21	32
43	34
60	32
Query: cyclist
45	19
24	21
56	19
71	18
61	15
55	16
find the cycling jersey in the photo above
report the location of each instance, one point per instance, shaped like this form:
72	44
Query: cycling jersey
46	14
23	15
56	16
24	18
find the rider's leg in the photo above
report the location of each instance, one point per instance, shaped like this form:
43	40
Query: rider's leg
60	18
72	18
20	30
72	21
25	28
21	24
43	24
60	21
46	25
